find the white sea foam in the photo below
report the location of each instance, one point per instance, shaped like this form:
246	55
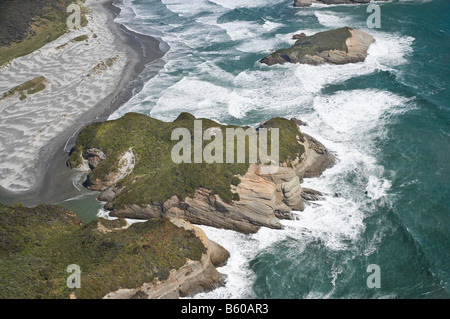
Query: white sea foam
189	8
262	44
270	25
167	93
333	19
252	35
347	122
233	4
103	213
242	30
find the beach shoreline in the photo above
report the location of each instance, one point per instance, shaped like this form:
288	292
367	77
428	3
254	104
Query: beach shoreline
53	179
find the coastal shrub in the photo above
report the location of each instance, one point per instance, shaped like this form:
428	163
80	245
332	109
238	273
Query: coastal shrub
235	181
314	44
27	25
37	244
80	38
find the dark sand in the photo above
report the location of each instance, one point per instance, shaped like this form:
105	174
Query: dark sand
54	177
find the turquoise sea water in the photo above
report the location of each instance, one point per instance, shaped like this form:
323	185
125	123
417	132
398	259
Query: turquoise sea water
387	120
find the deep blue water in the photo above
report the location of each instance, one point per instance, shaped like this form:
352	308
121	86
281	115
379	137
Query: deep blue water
387	120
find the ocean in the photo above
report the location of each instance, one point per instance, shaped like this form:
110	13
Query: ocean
387	120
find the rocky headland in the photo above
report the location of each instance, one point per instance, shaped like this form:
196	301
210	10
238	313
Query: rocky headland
338	46
149	185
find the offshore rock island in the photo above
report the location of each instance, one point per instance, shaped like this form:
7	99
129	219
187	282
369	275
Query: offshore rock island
338	46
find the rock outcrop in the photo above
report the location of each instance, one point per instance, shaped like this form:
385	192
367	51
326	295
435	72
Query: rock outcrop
299	36
338	46
259	201
242	197
192	278
316	158
93	157
159	258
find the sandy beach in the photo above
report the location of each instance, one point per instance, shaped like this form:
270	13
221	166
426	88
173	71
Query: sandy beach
85	82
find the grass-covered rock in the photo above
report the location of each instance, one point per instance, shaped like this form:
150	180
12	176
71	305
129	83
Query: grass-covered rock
155	177
30	87
37	244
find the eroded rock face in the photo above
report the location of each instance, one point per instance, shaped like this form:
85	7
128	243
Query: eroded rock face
316	158
256	207
338	46
94	157
126	164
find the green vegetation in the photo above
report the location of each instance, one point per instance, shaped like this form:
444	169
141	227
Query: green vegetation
156	177
314	44
327	40
103	65
33	86
37	244
80	38
27	25
289	146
